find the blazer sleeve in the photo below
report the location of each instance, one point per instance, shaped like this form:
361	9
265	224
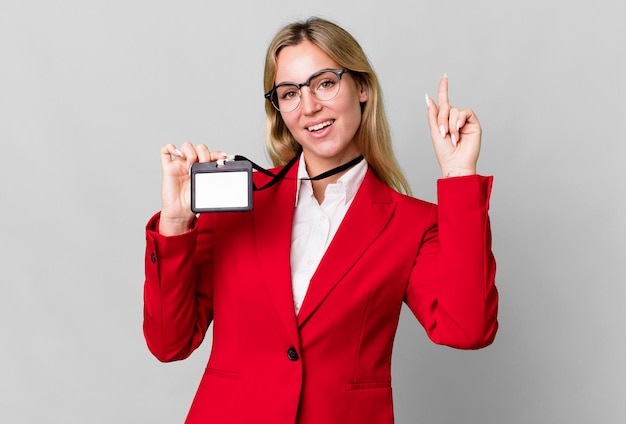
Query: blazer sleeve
452	288
178	291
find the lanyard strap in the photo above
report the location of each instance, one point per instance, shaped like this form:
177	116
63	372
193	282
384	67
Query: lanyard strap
281	174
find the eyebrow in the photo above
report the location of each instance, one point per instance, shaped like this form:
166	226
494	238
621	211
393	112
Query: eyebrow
310	75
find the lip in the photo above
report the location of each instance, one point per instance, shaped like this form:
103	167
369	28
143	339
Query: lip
319	122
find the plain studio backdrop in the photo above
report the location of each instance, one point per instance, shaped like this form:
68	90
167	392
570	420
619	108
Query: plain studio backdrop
90	90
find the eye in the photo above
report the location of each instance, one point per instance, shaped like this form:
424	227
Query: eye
326	84
287	92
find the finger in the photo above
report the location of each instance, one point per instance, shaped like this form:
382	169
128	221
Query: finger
170	149
189	152
454	125
217	155
204	154
467	117
443	120
432	117
444	106
169	152
442	93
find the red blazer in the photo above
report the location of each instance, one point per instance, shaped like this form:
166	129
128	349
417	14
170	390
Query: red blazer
332	362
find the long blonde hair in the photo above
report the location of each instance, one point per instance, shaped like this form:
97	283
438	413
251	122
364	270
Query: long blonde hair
373	137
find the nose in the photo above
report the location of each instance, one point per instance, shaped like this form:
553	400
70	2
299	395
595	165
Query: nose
309	103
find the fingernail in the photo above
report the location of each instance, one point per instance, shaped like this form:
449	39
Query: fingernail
445	75
458	125
427	100
179	153
453	137
442	130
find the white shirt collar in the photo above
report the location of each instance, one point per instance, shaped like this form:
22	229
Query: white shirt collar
348	183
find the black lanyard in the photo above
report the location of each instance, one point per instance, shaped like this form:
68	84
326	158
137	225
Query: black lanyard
281	174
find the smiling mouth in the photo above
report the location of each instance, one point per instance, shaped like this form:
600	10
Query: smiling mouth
320	125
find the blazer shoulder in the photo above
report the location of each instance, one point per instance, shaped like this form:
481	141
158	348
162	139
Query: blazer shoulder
412	203
405	205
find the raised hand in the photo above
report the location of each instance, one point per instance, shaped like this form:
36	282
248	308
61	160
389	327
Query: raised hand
455	133
176	215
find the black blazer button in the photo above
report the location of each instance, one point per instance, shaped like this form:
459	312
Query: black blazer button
292	354
153	257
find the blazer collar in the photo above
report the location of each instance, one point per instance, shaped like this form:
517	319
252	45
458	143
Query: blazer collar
368	215
273	218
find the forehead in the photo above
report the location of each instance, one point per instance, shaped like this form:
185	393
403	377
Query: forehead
297	63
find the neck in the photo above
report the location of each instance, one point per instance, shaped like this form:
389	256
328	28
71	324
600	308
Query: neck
320	181
316	165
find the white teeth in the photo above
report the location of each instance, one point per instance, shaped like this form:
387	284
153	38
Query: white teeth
319	126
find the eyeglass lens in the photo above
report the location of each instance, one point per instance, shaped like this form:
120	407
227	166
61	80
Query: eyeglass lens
324	86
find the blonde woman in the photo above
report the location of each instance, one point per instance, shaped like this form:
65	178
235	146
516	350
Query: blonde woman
305	290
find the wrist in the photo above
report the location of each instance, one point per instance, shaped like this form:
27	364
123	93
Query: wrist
171	226
458	172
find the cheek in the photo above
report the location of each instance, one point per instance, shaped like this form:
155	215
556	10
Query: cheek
354	111
290	121
352	105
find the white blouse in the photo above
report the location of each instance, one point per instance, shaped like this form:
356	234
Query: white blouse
315	225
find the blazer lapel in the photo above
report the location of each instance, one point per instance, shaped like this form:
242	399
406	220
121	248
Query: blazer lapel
273	212
368	215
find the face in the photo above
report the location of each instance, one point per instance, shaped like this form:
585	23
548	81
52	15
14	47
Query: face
324	129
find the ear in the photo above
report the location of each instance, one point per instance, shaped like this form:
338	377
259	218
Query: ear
363	91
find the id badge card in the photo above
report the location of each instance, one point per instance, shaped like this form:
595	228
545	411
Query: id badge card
221	188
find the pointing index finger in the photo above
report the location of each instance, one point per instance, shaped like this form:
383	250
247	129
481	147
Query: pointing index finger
442	97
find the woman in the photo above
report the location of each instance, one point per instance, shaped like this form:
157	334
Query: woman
305	291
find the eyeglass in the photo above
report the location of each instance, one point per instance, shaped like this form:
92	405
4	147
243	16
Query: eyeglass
324	85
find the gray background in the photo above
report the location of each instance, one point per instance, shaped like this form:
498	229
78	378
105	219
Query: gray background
90	90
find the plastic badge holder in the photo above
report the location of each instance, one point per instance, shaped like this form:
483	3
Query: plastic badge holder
221	188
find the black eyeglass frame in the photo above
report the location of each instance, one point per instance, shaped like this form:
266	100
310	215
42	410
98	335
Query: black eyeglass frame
307	83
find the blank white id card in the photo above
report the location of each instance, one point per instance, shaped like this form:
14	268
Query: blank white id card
221	188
